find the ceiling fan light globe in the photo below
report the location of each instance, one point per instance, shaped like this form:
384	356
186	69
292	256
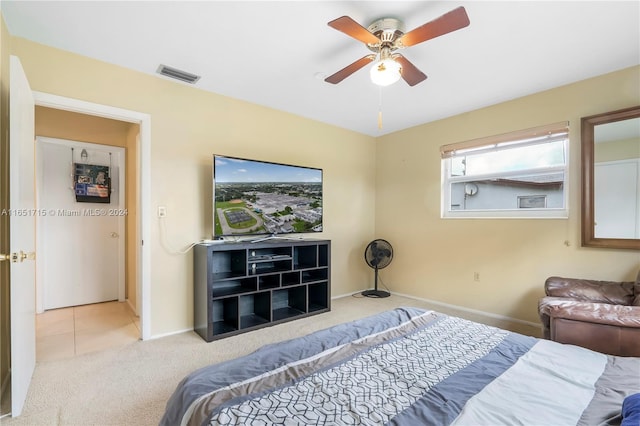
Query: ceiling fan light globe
385	72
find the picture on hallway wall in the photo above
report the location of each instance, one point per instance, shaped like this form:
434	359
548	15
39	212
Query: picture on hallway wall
92	183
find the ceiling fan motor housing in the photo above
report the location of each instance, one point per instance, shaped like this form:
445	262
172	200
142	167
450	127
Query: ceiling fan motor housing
388	30
386	35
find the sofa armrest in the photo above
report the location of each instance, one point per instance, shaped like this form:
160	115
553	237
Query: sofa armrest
597	313
612	292
544	307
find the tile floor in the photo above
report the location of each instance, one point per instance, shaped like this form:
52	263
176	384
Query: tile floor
67	332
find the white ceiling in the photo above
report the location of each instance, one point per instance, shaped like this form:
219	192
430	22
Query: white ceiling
276	53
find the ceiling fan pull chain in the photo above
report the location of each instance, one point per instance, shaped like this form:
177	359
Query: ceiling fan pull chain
380	110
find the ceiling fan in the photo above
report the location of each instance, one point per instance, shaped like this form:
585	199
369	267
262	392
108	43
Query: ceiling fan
384	37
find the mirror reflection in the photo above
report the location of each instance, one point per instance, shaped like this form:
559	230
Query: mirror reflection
616	183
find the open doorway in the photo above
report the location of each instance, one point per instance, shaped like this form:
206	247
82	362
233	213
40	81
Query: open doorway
68	330
141	165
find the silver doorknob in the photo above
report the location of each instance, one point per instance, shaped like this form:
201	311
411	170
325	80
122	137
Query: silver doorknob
114	235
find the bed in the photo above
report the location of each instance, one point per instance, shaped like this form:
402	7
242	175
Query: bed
410	366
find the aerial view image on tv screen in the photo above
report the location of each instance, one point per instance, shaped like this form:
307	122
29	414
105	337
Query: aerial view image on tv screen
257	198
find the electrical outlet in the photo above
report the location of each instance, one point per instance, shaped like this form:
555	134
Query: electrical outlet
162	211
476	276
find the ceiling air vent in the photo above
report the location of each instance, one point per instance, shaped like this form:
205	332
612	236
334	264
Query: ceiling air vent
177	74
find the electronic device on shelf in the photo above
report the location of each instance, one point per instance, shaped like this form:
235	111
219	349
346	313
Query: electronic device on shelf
260	257
269	200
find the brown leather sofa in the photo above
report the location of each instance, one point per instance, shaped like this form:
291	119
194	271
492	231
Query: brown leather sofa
600	315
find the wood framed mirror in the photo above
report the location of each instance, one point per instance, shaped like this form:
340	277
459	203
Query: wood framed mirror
611	179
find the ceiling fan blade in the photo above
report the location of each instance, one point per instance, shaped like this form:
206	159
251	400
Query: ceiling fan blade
353	29
410	73
349	69
447	23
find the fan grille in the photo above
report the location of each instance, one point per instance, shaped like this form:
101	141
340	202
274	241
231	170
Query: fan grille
378	254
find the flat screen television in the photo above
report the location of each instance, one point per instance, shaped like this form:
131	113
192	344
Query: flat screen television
252	197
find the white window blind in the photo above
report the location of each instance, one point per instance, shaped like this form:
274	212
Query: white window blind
531	136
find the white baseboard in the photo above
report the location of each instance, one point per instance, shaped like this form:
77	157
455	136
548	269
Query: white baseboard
456	307
171	333
471	311
340	296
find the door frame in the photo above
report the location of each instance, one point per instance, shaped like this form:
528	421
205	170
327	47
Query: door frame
143	287
41	286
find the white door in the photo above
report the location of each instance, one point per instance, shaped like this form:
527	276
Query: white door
90	267
22	234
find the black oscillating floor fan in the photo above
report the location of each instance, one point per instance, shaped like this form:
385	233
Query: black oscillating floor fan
378	255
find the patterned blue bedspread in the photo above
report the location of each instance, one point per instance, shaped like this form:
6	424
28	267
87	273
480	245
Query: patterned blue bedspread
406	367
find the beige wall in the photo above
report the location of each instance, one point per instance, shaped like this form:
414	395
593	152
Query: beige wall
132	228
187	127
436	258
86	128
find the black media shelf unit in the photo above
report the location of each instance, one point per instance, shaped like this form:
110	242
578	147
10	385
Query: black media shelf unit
242	286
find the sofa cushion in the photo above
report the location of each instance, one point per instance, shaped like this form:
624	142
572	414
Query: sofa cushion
636	290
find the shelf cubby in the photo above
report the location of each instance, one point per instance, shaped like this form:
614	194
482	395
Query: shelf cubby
323	255
255	309
289	302
318	296
224	315
230	264
266	282
291	278
230	287
305	257
269	253
312	275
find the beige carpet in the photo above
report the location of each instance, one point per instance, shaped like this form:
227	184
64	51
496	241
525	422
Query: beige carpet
130	385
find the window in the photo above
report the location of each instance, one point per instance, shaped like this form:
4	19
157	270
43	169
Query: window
520	175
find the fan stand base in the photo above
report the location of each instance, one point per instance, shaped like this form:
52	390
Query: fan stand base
376	293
